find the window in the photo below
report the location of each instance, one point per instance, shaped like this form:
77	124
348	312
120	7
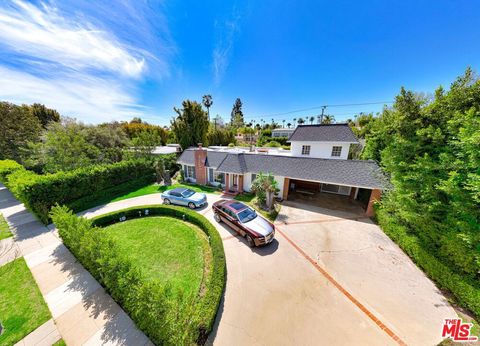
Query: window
220	177
305	150
254	176
216	177
336	151
190	172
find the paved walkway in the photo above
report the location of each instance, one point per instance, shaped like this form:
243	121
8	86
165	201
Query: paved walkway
82	311
45	335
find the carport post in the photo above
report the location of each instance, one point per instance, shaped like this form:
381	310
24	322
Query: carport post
286	187
374	196
227	182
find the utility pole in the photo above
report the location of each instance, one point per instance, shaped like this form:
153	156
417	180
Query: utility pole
320	117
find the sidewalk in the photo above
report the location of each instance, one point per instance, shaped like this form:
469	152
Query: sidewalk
82	311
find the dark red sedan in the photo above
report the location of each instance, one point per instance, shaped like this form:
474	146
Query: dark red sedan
255	228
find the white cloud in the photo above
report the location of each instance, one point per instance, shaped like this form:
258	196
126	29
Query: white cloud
222	52
77	95
44	33
79	57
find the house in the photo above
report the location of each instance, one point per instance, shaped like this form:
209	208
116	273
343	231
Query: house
316	165
282	132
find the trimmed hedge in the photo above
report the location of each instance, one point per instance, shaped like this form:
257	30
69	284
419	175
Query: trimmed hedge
465	290
166	317
7	167
77	189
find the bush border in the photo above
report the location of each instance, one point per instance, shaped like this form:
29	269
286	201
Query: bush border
215	282
466	292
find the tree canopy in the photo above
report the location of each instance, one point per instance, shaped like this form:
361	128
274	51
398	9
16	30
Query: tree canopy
236	119
190	127
431	150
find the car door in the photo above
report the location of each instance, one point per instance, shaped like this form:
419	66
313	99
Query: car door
232	221
176	199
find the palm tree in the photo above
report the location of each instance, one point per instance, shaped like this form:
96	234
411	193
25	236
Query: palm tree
207	102
311	119
283	121
289	124
265	186
328	119
301	121
294	121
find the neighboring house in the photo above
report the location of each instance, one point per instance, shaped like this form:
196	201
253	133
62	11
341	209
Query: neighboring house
168	149
246	137
282	132
316	164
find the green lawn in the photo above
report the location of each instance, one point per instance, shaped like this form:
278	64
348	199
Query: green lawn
4	229
164	248
250	199
22	309
60	343
154	188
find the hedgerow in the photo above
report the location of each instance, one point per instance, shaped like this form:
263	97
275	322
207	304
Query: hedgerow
464	289
166	317
77	189
7	167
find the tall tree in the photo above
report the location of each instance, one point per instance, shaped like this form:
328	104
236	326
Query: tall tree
190	127
300	121
44	114
207	102
236	119
18	127
311	119
431	150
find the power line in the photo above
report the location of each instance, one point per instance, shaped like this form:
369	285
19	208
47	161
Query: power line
320	107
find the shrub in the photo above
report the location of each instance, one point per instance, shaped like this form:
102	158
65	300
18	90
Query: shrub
76	188
465	290
7	167
168	318
273	144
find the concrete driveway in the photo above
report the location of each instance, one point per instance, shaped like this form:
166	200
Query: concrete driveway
330	278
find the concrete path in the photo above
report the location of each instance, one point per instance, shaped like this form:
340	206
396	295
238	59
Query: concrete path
309	287
82	311
45	335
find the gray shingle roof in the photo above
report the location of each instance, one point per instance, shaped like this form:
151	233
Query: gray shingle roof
214	158
323	133
359	173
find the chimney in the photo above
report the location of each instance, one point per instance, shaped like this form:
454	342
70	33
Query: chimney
200	155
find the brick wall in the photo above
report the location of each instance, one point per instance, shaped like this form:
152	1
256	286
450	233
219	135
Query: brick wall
200	169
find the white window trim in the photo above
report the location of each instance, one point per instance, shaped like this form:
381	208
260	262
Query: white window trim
306	150
336	151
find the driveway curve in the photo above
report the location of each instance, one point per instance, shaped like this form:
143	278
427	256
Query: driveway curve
278	294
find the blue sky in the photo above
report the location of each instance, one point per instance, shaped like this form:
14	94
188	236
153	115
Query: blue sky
101	61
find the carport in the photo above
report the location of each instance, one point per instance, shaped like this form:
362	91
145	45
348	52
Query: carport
331	196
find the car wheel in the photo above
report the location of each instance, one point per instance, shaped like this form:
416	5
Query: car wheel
191	205
250	241
166	201
217	218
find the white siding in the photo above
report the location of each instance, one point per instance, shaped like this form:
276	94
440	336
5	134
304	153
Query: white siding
320	149
247	182
280	180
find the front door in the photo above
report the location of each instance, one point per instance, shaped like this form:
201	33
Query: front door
235	182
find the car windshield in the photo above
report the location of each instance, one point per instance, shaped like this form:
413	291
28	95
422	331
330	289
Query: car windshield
247	215
187	193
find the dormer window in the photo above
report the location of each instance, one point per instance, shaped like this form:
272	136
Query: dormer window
305	150
336	151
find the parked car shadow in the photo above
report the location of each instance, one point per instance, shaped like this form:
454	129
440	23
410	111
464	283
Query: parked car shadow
266	249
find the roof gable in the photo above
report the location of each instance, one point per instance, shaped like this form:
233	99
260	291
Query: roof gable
323	133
